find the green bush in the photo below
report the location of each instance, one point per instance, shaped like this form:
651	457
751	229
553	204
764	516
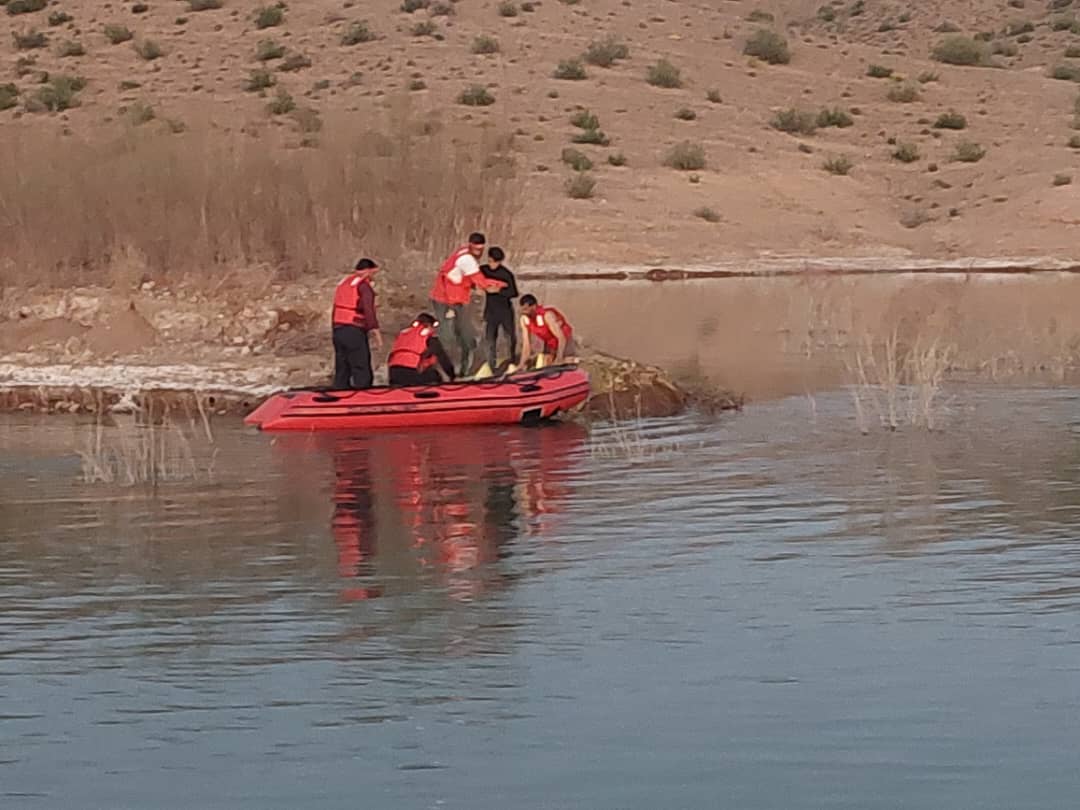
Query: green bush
879	72
71	48
269	17
1068	73
283	104
595	137
260	80
570	70
841	165
267	50
485	45
576	160
9	96
619	159
117	34
58	94
903	93
29	40
686	157
409	6
25	6
59	18
581	187
950	120
959	50
357	33
768	46
968	152
583	119
795	122
204	5
834	118
606	52
294	62
149	50
507	8
1016	28
476	95
664	74
906	153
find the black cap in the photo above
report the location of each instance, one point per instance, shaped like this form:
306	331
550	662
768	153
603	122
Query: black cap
366	264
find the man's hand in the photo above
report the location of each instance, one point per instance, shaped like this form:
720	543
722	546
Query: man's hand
376	339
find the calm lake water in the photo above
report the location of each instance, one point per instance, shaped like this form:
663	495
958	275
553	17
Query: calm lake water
765	610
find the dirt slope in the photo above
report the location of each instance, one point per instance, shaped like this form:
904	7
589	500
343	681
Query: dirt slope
764	190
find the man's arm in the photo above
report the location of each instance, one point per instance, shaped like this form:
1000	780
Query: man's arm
523	340
511	290
560	337
435	348
371	320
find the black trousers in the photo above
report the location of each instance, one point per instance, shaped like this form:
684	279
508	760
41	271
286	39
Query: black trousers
352	358
403	375
493	322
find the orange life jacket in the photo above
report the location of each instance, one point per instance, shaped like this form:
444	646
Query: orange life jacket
538	326
448	292
347	301
409	347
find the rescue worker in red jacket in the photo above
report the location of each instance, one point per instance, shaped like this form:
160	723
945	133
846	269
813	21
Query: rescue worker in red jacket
551	327
355	327
417	356
450	295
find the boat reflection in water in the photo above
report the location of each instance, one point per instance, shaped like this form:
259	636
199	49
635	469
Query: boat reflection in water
441	508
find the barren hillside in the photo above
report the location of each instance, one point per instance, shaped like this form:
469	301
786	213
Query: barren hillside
850	132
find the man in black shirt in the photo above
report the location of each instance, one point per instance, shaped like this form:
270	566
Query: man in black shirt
499	306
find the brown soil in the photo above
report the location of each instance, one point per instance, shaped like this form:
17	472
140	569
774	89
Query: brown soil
766	190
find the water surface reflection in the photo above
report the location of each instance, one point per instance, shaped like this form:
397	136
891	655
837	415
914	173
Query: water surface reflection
764	611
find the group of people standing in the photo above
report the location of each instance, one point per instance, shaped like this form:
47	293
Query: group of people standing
417	356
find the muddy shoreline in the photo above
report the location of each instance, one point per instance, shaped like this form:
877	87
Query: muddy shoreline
221	351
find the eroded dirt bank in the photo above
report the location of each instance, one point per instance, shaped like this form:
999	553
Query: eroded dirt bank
223	351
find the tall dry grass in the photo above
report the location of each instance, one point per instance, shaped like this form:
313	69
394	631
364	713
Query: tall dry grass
399	187
899	383
149	447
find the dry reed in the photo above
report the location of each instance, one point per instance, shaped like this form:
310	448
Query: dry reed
149	447
900	383
197	203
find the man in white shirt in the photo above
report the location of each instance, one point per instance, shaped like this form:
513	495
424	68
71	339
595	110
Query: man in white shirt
451	293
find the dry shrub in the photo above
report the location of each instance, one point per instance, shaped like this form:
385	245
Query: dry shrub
203	202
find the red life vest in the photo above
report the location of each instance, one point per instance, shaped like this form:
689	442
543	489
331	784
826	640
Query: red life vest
538	326
409	347
448	292
347	301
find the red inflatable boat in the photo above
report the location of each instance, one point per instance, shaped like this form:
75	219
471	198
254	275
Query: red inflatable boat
525	397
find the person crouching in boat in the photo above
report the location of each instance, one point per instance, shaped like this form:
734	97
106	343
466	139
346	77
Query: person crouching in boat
353	322
417	356
551	328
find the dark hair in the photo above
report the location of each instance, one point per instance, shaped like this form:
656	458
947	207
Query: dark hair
366	264
527	300
496	254
477	239
425	318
